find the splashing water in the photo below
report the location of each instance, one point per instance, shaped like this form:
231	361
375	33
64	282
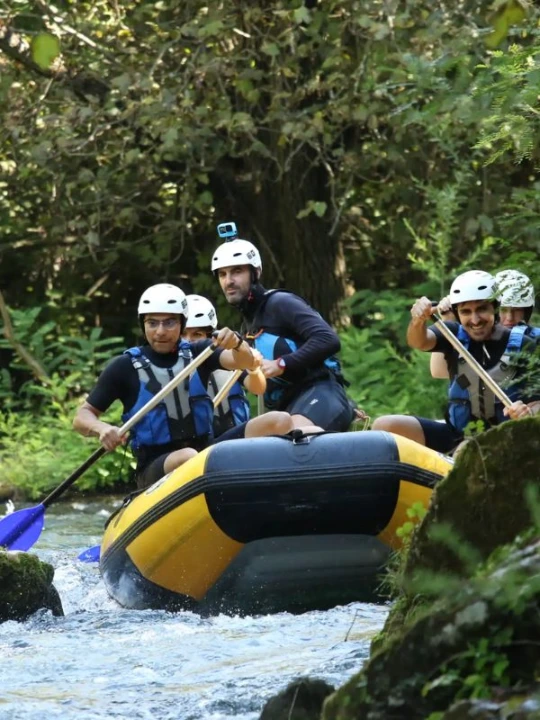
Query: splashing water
102	662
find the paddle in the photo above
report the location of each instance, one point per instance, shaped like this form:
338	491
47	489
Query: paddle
224	391
469	359
21	529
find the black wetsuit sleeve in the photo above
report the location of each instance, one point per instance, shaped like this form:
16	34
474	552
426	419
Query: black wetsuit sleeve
300	320
118	381
442	344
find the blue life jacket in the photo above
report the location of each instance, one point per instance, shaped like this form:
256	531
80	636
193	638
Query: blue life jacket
266	343
469	398
234	409
533	332
184	414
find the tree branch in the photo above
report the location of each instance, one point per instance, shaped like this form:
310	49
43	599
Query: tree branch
82	83
39	372
52	16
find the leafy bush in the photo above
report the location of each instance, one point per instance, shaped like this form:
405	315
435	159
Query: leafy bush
385	375
37	454
63	364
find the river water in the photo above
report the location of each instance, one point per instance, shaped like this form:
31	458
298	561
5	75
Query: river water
102	662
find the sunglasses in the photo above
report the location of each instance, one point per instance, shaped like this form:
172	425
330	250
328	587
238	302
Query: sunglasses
168	324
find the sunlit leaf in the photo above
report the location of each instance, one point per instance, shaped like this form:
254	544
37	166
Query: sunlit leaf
45	48
302	15
506	14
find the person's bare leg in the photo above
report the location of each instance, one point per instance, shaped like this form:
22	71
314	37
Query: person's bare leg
271	423
279	423
404	425
177	458
301	422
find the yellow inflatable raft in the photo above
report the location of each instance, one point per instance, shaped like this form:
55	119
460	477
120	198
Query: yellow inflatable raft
269	524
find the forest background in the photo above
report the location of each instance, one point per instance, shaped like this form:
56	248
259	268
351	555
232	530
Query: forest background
372	150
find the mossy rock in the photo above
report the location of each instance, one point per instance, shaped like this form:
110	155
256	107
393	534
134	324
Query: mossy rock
7	492
302	699
482	499
482	502
454	648
521	706
26	584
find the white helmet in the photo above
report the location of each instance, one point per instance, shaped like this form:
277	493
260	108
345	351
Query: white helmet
236	252
163	298
201	312
514	289
473	285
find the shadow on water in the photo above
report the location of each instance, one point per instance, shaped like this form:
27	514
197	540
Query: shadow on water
102	662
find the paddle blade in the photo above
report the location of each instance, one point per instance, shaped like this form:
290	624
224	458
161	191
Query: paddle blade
89	555
21	529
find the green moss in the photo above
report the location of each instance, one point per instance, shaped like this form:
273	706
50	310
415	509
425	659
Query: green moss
24	568
302	699
349	702
479	511
482	498
467	645
403	613
26	584
465	617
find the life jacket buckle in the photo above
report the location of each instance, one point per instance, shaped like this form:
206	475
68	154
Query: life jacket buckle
141	363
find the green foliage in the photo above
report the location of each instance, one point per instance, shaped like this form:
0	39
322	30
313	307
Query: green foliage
37	454
526	365
326	132
392	583
385	375
477	669
506	14
365	146
70	362
511	81
434	254
38	446
416	513
416	593
474	427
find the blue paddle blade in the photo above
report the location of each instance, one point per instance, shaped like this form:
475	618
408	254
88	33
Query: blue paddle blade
89	555
21	529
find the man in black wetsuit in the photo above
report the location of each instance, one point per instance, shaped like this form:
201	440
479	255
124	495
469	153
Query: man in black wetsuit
302	375
181	425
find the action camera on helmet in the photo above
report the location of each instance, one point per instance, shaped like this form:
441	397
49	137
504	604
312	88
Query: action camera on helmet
227	230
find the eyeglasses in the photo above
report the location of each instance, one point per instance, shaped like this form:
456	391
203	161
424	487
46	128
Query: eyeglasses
167	324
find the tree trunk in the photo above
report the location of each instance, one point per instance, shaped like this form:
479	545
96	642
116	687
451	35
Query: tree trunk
301	255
